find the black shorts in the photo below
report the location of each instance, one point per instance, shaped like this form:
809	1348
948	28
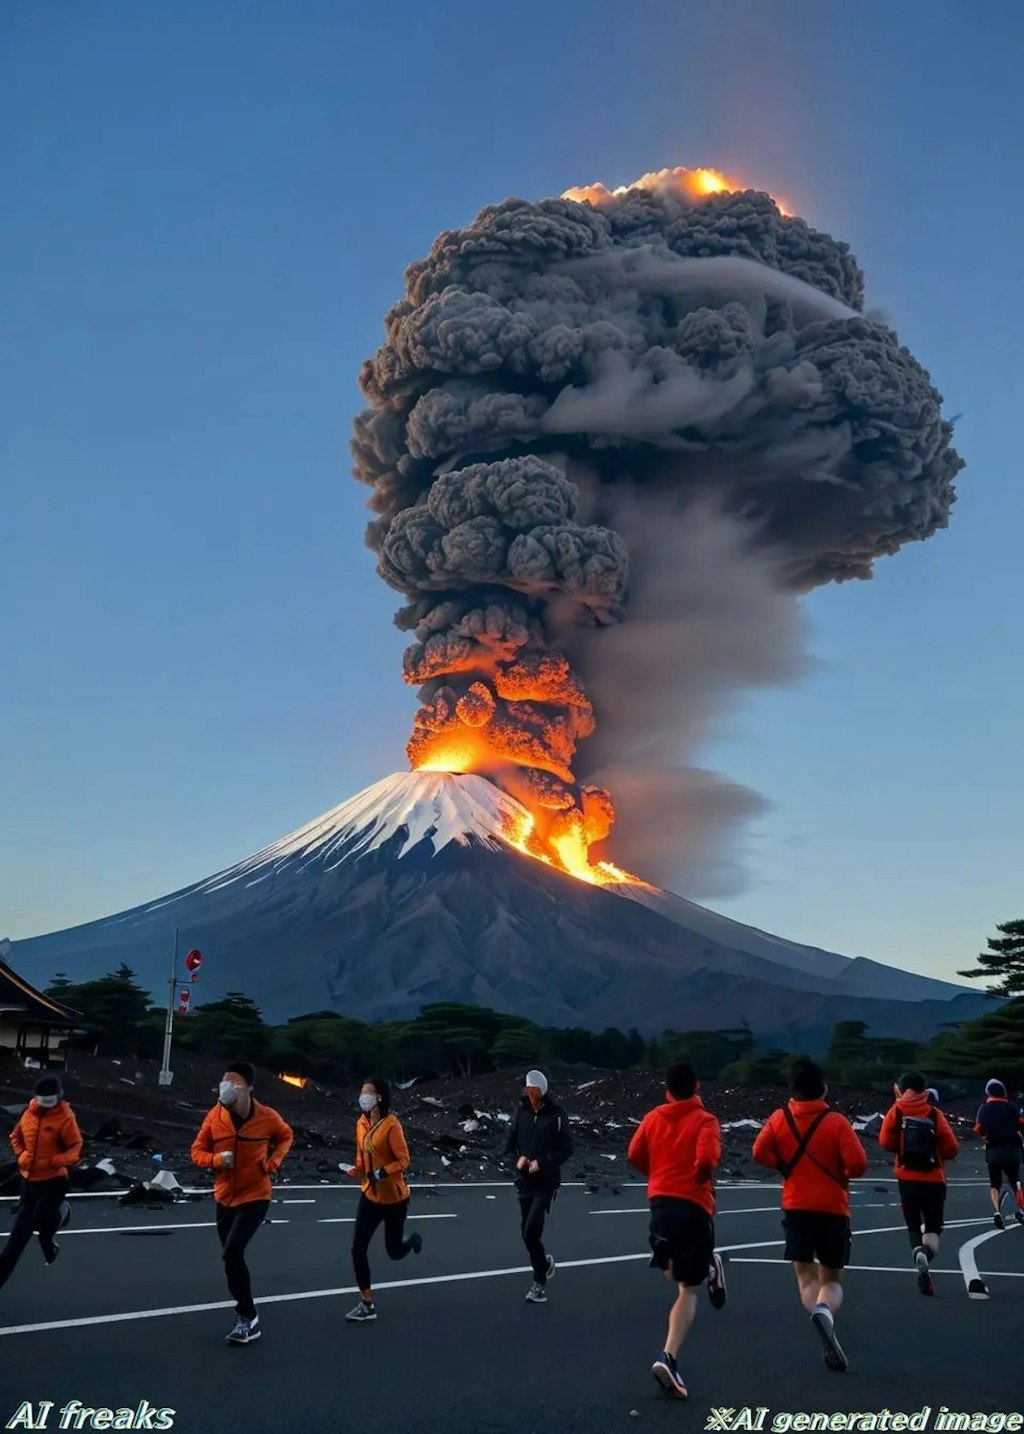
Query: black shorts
924	1203
816	1238
1003	1164
682	1239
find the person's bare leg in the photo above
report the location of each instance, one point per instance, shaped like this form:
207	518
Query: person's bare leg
830	1289
680	1319
808	1283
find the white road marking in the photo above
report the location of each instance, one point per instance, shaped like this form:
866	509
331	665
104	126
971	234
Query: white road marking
968	1261
645	1210
351	1219
297	1202
881	1269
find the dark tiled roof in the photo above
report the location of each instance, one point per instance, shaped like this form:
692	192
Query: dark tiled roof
17	997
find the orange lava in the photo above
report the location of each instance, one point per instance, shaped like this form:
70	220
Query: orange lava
300	1081
696	183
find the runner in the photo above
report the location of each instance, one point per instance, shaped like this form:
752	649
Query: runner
999	1123
244	1143
677	1147
817	1152
46	1142
539	1144
921	1138
382	1158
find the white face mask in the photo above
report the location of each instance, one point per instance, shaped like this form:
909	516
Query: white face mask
367	1103
229	1092
47	1101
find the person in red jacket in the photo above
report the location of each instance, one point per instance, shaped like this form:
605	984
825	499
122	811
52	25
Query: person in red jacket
46	1142
921	1138
244	1143
677	1147
817	1152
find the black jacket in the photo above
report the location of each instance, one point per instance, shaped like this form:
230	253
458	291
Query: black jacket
999	1122
542	1136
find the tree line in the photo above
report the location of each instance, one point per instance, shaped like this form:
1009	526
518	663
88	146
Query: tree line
118	1019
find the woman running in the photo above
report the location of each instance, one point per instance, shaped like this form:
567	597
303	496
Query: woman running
382	1158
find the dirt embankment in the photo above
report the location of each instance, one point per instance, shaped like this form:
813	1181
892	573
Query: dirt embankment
456	1127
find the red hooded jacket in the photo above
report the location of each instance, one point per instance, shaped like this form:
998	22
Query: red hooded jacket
821	1178
677	1147
920	1108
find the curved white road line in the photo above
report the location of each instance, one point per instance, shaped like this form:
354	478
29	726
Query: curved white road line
976	1287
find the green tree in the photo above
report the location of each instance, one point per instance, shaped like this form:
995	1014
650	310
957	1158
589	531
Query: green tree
231	1027
1002	962
113	1008
990	1045
518	1043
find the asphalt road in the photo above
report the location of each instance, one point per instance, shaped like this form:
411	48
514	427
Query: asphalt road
135	1309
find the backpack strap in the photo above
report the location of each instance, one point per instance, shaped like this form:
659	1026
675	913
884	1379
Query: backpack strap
803	1142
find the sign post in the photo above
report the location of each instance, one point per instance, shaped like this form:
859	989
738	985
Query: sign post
193	961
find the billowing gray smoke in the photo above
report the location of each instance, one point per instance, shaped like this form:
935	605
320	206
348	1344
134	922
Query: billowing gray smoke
608	447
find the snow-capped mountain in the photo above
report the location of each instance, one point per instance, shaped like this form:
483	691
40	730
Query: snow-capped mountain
412	892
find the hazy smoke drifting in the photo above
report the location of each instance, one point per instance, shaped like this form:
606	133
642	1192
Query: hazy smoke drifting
608	447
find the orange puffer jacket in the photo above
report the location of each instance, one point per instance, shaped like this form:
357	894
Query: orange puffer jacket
46	1142
382	1147
259	1146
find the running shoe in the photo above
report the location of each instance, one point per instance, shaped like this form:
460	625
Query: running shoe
666	1372
416	1242
924	1279
716	1282
825	1325
998	1221
536	1294
363	1313
245	1331
50	1250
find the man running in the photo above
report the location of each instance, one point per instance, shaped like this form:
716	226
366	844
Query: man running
539	1144
46	1142
677	1147
817	1152
999	1123
921	1138
245	1144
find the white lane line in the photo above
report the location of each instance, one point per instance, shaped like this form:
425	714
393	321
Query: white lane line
976	1288
881	1269
351	1219
645	1210
297	1202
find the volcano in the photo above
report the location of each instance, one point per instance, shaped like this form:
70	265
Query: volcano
415	891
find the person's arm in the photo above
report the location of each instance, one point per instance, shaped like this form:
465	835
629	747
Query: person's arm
203	1152
949	1146
71	1140
398	1149
279	1145
851	1151
638	1154
979	1124
889	1135
765	1149
17	1140
709	1150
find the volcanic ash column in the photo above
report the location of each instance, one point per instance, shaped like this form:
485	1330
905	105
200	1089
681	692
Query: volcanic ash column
610	438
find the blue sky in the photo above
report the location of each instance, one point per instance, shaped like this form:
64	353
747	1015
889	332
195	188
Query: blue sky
210	208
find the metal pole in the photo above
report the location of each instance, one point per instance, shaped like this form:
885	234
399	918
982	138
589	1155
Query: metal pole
172	985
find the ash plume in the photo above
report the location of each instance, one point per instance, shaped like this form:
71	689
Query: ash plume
609	443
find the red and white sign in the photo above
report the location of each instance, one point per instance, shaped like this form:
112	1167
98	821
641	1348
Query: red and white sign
193	961
183	999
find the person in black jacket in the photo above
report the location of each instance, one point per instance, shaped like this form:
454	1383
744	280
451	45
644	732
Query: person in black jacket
539	1144
1000	1124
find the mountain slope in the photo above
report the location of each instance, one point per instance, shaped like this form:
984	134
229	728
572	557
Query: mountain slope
410	892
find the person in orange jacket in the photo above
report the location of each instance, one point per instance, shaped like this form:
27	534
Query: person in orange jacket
817	1152
382	1158
46	1142
677	1147
245	1144
921	1138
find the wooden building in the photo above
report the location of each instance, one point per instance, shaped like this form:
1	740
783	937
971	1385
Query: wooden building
32	1025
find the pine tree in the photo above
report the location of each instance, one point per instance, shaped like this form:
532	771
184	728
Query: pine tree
1003	961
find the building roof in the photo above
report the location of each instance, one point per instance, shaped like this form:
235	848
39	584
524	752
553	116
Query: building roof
24	1002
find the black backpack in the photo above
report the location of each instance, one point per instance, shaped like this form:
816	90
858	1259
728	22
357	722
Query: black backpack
919	1141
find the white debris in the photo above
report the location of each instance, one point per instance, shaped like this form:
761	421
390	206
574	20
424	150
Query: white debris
865	1120
469	1126
166	1180
608	1157
745	1124
432	1100
504	1117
